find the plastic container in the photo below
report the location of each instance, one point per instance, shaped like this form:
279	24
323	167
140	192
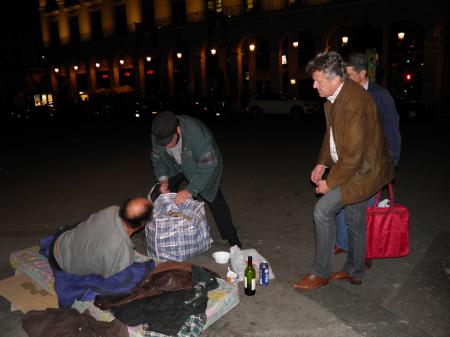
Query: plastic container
221	257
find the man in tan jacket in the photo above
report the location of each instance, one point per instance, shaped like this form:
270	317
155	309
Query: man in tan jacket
356	157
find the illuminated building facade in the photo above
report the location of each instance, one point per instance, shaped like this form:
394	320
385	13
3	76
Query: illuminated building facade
236	48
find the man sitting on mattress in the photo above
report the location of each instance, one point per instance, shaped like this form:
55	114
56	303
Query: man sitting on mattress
101	244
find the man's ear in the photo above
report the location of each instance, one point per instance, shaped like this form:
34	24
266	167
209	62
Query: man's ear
364	73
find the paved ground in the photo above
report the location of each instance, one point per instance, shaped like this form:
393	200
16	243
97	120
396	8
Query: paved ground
54	176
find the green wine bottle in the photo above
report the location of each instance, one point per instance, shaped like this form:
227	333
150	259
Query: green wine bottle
249	278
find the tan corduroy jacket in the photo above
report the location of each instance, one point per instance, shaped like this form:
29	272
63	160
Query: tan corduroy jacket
364	165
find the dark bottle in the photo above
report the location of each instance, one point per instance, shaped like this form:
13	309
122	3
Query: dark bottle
249	278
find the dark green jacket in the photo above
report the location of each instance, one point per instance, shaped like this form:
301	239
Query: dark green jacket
201	161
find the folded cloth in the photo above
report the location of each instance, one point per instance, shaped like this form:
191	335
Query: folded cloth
192	327
68	322
165	313
166	277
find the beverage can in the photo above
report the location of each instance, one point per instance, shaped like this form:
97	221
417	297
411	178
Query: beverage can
264	274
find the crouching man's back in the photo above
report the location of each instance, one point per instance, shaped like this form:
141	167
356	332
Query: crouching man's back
102	244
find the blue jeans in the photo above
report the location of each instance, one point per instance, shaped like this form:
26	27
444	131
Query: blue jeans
341	227
325	231
341	230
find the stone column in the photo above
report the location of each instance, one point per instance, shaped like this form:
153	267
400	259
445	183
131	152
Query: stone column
44	27
83	18
107	18
63	24
134	14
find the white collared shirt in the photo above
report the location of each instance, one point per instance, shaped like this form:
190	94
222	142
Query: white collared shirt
333	151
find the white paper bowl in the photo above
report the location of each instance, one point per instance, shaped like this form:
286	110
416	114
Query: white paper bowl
221	257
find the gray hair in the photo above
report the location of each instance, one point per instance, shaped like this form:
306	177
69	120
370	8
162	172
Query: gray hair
331	63
358	61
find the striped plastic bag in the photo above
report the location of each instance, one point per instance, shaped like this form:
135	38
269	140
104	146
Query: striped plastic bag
177	232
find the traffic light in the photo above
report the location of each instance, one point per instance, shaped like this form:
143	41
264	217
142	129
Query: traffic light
408	77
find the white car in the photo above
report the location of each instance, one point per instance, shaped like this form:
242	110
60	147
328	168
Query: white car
280	104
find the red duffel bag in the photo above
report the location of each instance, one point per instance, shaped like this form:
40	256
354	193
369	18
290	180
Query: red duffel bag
387	229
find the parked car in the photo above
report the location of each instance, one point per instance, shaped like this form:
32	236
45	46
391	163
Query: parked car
192	106
31	113
262	105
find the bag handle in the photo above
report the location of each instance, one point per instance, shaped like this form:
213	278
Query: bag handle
391	196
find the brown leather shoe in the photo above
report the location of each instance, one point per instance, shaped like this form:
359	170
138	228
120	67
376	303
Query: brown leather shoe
343	276
338	250
310	282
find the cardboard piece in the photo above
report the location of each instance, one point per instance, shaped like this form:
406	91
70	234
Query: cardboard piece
25	294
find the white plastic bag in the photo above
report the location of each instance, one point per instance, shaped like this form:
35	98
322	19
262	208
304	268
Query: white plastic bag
239	261
384	203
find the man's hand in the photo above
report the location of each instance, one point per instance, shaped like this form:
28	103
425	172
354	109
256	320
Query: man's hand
182	196
322	187
317	173
164	186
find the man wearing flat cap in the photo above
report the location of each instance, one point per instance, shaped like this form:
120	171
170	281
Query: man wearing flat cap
185	150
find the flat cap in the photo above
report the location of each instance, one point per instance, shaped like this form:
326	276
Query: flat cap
164	127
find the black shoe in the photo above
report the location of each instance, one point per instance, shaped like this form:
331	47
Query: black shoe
235	242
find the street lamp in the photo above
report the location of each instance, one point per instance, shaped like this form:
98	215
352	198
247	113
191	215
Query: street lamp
179	55
401	35
121	61
213	51
344	40
148	58
252	47
295	44
97	65
75	67
293	81
56	70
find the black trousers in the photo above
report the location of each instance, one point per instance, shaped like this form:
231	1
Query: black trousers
219	208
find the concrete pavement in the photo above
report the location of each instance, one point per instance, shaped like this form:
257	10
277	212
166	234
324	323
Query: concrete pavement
56	176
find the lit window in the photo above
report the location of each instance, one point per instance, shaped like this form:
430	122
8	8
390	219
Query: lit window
215	5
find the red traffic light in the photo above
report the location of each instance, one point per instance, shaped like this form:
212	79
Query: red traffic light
408	77
150	72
